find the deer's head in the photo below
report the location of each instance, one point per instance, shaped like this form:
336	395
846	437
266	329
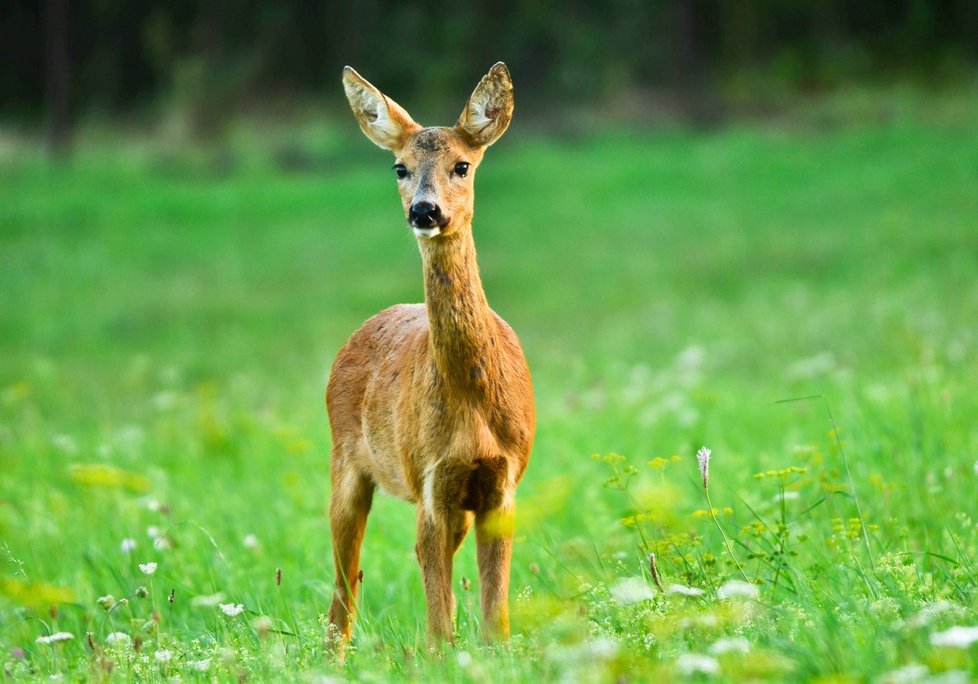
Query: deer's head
435	167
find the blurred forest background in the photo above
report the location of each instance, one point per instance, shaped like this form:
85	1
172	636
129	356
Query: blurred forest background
75	61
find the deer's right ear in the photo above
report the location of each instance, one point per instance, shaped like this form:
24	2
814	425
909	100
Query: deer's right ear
489	109
381	119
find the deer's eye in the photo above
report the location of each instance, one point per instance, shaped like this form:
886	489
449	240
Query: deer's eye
462	169
401	171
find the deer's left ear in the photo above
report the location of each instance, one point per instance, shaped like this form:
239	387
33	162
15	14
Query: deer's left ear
490	107
382	120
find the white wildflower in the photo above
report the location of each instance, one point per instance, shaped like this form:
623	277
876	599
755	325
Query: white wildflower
250	542
630	590
163	656
162	544
703	460
207	601
683	590
54	638
153	505
164	401
691	358
154	532
118	639
464	658
930	612
200	665
695	663
956	637
130	436
65	443
915	672
147	568
232	609
811	366
736	588
128	545
737	644
602	647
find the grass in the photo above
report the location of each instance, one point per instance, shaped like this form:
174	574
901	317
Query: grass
169	318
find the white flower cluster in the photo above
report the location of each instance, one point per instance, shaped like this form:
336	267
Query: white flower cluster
630	590
54	638
955	637
683	590
232	609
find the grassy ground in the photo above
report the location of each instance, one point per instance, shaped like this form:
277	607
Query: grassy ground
169	318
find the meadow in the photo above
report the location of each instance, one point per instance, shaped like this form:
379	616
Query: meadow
800	299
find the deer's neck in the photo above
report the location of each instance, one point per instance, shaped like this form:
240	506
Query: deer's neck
462	327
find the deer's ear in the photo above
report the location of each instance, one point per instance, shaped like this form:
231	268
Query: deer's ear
381	119
489	109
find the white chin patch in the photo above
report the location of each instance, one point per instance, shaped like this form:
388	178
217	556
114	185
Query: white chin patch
427	232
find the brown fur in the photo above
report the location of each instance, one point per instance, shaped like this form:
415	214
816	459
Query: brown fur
433	402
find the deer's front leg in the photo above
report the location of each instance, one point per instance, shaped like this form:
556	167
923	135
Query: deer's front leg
439	535
348	508
494	540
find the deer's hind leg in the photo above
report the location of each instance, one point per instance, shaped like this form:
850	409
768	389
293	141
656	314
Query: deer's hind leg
349	505
439	537
494	551
492	496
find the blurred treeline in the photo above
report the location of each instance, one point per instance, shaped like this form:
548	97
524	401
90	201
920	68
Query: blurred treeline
77	57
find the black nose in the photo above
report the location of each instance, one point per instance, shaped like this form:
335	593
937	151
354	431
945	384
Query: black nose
425	215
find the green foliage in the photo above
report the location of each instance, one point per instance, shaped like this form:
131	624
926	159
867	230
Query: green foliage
201	62
169	319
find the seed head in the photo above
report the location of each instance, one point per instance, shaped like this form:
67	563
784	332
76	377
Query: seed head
278	577
142	592
703	459
654	571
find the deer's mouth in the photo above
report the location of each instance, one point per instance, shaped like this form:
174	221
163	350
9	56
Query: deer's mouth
429	232
429	225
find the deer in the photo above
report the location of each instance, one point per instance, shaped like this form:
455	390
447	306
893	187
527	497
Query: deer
433	402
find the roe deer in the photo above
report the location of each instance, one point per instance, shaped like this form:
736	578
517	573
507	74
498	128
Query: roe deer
433	402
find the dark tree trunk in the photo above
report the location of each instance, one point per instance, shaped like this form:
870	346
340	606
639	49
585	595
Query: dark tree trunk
57	77
686	60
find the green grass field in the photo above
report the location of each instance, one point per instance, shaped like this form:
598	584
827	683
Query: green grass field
168	320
